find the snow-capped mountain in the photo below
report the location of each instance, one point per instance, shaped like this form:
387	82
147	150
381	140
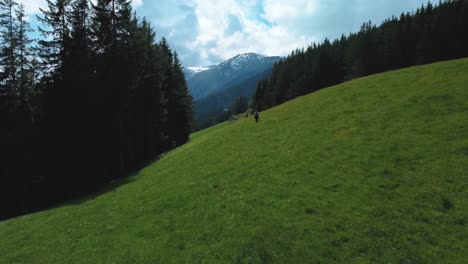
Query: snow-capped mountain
204	81
239	61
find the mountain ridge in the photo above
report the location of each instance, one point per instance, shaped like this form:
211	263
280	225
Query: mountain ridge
204	81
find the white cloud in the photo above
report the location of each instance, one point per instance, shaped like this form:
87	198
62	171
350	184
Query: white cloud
32	6
254	36
205	32
275	27
137	3
282	12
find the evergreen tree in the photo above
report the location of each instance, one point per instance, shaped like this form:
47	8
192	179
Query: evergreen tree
149	100
101	27
179	102
111	30
24	54
240	105
8	40
54	47
258	97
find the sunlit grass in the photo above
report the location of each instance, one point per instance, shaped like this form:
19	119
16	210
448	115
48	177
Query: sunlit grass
370	171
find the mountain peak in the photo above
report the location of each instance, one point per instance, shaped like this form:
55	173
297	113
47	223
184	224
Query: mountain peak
249	55
246	56
239	60
191	70
203	81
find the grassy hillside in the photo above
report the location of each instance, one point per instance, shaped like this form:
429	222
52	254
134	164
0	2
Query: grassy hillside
370	171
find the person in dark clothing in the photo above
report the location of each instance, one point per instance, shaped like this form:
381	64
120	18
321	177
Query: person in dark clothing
257	116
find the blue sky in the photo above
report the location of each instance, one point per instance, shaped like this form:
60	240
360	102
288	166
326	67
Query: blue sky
206	32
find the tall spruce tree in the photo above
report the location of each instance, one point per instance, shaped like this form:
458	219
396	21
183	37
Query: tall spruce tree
183	104
83	106
109	36
25	55
54	47
167	82
101	27
8	40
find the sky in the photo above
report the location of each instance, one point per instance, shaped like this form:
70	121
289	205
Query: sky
206	32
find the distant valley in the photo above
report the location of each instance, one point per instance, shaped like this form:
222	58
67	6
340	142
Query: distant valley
215	88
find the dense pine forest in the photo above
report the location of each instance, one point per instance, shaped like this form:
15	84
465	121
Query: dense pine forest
430	34
94	99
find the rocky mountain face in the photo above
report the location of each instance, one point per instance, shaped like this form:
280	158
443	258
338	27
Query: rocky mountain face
205	81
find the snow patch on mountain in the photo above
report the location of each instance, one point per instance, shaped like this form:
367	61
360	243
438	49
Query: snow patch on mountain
237	61
198	69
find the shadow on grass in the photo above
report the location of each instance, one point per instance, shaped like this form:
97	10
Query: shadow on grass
78	199
109	187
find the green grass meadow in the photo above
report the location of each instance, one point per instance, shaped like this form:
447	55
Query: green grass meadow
370	171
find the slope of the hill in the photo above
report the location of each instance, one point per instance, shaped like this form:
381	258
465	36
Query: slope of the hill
370	171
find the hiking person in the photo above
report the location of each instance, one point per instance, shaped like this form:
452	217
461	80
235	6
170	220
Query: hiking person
257	116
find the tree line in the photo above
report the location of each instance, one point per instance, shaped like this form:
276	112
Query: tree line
94	99
239	106
430	34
